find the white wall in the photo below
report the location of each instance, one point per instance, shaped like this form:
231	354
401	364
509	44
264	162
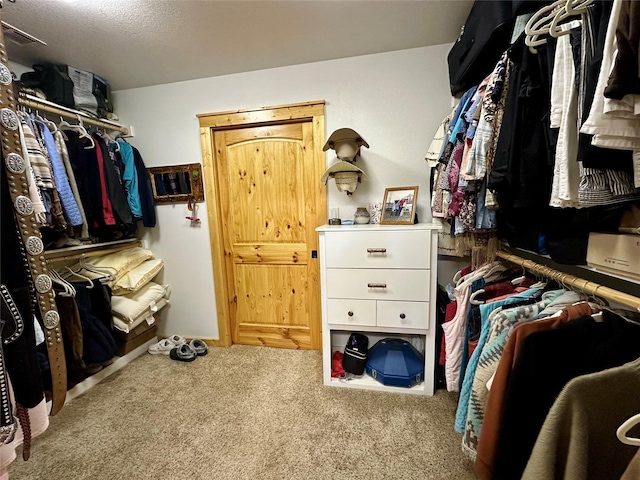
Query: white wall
394	100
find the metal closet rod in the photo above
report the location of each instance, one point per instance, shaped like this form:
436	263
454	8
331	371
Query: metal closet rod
44	105
589	288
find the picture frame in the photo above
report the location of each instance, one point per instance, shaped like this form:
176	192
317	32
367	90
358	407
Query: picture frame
176	183
399	206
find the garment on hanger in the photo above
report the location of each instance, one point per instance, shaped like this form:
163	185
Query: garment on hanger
613	131
72	339
454	330
130	178
99	346
147	203
546	362
84	164
486	450
43	174
108	217
64	155
485	313
577	439
69	206
487	362
115	192
623	79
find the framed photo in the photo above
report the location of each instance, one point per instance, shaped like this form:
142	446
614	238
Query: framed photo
399	205
177	183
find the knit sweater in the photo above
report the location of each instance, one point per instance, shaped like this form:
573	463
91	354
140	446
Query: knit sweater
547	361
578	438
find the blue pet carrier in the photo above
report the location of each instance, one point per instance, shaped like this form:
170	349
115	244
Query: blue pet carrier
395	362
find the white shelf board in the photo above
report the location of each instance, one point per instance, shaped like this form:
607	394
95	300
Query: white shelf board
368	383
376	329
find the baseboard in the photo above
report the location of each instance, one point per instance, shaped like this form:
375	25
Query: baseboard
118	364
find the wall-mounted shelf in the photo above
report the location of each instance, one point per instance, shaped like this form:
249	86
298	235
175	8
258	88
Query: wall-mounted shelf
90	250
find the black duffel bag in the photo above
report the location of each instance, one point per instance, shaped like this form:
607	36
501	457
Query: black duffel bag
53	81
354	359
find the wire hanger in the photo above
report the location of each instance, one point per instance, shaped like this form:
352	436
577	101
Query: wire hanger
623	429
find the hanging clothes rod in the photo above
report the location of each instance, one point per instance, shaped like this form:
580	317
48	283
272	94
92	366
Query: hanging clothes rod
46	106
589	288
93	250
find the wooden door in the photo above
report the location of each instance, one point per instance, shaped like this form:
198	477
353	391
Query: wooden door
270	200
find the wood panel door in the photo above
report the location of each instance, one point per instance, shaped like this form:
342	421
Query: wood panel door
270	200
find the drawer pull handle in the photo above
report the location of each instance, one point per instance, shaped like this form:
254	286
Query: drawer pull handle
376	250
350	313
402	316
377	285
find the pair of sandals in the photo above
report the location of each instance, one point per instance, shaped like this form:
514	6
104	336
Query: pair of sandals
187	352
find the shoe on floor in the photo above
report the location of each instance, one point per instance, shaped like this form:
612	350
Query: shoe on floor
164	346
199	346
183	353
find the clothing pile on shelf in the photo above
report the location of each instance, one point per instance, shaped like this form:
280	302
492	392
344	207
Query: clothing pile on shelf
537	369
84	186
546	148
136	298
102	304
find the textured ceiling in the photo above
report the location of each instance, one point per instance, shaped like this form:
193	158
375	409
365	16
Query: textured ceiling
137	43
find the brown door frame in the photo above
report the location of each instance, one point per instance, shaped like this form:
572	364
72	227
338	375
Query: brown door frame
209	123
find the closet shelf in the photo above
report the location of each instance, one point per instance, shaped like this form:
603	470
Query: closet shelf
47	106
91	250
624	291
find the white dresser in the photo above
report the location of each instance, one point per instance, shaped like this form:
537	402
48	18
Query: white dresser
379	280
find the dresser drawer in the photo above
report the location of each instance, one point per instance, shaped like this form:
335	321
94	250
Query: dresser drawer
403	314
382	249
351	312
377	284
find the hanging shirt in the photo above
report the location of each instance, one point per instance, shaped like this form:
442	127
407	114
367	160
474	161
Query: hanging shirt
499	327
117	195
107	210
130	178
64	155
69	206
147	201
485	311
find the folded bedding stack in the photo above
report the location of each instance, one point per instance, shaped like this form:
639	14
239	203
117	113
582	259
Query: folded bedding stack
136	298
